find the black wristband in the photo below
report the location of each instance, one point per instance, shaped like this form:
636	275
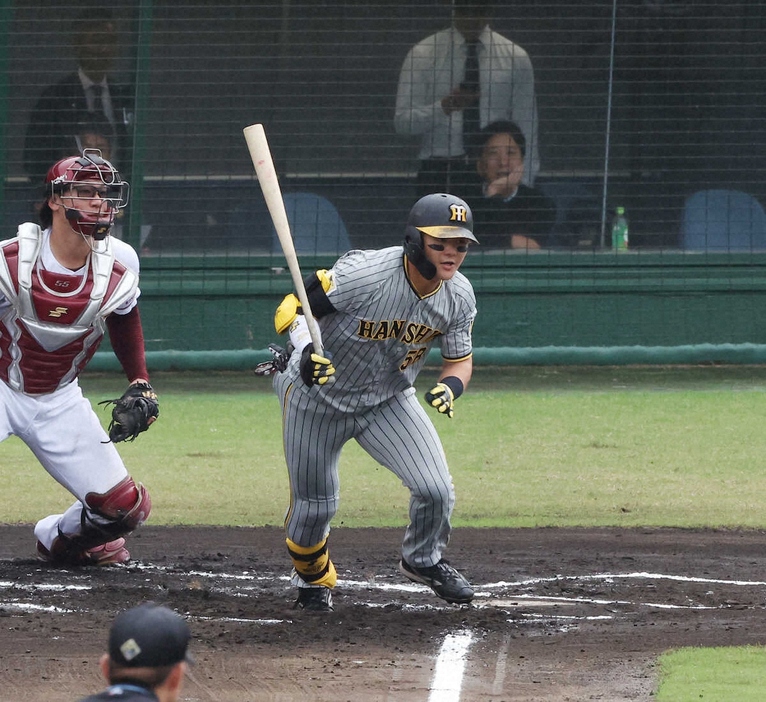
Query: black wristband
455	384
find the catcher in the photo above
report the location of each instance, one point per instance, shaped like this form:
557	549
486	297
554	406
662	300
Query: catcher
62	287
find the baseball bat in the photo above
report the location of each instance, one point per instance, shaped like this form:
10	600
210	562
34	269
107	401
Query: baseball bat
260	154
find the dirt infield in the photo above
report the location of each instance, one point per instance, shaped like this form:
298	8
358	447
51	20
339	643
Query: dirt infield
559	614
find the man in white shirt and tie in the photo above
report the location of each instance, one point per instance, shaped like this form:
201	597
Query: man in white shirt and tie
439	100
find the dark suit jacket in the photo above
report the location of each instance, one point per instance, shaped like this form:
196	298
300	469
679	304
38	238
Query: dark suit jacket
53	120
530	213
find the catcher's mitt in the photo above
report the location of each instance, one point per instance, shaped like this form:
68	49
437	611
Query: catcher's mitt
133	412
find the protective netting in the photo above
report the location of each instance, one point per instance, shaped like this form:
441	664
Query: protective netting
656	106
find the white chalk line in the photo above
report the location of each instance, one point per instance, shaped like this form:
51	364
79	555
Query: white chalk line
7	585
26	607
641	575
645	575
484	594
447	681
243	620
501	666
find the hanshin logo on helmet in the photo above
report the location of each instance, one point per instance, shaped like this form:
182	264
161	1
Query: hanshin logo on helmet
459	213
442	216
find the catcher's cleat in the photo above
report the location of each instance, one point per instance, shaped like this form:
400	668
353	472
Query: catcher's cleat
314	599
442	578
110	553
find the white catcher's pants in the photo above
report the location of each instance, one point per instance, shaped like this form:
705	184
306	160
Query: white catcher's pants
65	435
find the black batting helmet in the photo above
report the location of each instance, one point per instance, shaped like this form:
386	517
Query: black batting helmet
442	216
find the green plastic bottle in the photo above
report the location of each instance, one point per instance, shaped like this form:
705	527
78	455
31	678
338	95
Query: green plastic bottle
620	230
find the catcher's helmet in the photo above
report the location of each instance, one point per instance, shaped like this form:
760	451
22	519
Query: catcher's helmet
90	168
441	216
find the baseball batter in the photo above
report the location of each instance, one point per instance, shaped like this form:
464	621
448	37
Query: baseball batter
379	313
61	287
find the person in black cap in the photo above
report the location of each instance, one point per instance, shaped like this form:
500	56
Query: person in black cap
147	656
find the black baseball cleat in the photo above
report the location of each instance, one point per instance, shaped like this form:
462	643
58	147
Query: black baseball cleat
314	599
442	578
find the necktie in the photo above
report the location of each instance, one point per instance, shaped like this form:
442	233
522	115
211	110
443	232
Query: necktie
98	102
471	83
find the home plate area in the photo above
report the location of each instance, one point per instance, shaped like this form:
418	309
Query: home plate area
559	614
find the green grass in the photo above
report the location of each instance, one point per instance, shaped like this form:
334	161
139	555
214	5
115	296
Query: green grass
728	674
528	447
624	458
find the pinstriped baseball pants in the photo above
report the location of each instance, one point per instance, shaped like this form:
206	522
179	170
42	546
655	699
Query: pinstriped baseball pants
397	433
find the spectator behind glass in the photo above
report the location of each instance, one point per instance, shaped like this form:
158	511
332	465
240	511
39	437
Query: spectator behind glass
147	656
93	132
507	213
90	89
437	96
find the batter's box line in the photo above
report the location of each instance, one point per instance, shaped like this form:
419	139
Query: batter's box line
641	575
532	599
624	576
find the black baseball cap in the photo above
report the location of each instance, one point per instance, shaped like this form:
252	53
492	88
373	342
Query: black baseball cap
149	636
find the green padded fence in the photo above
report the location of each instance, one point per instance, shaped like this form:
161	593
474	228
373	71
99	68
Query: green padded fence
543	308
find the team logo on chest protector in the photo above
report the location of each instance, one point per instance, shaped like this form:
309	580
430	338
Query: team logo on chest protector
50	290
56	320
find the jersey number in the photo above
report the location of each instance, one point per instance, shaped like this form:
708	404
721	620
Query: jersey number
413	356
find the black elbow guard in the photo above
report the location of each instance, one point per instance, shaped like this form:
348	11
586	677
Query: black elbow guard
317	284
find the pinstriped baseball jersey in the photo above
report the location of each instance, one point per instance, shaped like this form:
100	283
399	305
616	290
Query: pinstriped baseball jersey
382	330
378	336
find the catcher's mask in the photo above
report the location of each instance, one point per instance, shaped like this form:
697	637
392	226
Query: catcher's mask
441	216
88	177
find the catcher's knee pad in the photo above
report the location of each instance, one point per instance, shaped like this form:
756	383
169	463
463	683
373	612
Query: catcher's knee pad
124	508
312	563
105	517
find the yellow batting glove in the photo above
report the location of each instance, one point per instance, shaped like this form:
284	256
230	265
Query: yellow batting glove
442	398
315	369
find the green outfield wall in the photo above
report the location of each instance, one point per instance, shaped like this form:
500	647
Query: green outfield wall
547	308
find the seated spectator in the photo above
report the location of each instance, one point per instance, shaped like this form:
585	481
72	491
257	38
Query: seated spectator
92	132
507	213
